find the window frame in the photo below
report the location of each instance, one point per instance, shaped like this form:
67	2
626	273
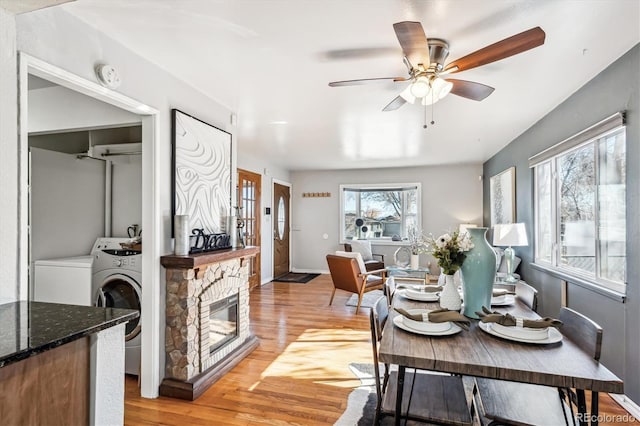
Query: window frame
591	137
381	187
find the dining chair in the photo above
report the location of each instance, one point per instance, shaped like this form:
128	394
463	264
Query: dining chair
433	398
511	403
528	295
348	274
389	289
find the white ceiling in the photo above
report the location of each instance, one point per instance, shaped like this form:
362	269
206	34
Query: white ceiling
270	62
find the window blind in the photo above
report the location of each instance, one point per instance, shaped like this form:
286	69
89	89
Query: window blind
615	121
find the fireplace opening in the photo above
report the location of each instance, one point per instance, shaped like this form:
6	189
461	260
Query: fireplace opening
223	322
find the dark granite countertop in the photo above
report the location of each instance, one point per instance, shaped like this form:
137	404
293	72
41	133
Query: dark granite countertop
30	328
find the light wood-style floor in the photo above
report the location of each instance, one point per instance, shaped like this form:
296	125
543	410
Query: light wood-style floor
299	375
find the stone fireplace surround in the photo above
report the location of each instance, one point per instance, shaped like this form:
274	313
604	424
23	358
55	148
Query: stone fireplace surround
193	283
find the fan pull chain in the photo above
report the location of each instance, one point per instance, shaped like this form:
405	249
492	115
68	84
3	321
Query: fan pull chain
424	126
432	108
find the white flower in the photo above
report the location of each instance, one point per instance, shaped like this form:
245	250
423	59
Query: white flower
446	237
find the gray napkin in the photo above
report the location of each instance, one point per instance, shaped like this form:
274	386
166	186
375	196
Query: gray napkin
423	289
440	315
501	292
509	320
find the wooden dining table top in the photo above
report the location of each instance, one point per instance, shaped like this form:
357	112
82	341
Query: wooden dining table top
477	353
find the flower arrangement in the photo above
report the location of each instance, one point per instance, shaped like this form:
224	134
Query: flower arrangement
417	241
450	250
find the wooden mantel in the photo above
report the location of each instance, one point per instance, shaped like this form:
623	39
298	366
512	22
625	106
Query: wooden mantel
193	261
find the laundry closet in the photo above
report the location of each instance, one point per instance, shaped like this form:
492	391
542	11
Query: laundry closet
85	204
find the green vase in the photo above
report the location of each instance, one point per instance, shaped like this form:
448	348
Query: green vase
478	273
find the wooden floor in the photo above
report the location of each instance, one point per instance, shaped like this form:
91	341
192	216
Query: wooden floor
299	375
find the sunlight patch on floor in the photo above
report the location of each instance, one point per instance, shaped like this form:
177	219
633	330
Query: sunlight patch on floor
322	356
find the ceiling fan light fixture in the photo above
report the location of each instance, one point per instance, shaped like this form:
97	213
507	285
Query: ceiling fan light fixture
420	88
407	96
441	87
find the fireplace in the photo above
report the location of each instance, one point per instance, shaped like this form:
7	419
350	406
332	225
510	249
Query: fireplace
223	322
219	327
207	317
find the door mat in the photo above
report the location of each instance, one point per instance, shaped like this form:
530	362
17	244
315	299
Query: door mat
293	277
369	299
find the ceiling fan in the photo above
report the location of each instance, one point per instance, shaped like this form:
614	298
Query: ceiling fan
425	61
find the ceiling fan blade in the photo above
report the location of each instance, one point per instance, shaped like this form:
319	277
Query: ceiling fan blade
360	53
364	81
413	41
395	104
470	89
503	49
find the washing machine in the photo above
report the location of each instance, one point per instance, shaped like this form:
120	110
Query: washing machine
116	283
65	280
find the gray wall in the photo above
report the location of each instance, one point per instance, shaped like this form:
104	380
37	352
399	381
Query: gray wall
615	89
67	204
450	195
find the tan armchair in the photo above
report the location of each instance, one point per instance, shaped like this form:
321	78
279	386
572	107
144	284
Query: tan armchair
347	275
373	264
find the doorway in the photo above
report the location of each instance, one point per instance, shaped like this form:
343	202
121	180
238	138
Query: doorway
151	211
249	196
281	240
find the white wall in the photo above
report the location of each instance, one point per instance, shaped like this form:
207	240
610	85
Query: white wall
126	194
450	195
9	160
67	204
55	109
268	173
56	37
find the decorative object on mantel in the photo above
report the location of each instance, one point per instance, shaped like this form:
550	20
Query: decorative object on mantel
502	194
315	194
181	232
202	172
478	273
239	242
450	252
203	243
512	234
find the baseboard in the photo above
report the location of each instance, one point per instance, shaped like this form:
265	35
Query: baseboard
627	404
309	271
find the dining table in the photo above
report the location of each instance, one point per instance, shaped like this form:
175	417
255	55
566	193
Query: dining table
479	354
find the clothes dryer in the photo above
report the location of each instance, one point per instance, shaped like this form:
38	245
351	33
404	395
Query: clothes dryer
117	283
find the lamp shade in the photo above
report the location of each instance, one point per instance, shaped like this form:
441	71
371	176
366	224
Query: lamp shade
510	234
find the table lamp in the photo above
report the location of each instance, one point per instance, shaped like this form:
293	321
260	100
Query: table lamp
510	234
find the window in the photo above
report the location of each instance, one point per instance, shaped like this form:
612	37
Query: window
580	205
379	211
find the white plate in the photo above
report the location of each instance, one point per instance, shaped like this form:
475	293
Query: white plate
506	300
554	335
522	332
424	297
397	320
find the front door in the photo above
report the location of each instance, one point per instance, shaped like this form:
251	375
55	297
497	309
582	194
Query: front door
249	185
281	198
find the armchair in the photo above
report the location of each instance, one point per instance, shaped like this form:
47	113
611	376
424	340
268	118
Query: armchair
347	275
372	261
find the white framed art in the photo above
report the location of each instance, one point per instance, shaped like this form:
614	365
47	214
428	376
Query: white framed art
502	189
